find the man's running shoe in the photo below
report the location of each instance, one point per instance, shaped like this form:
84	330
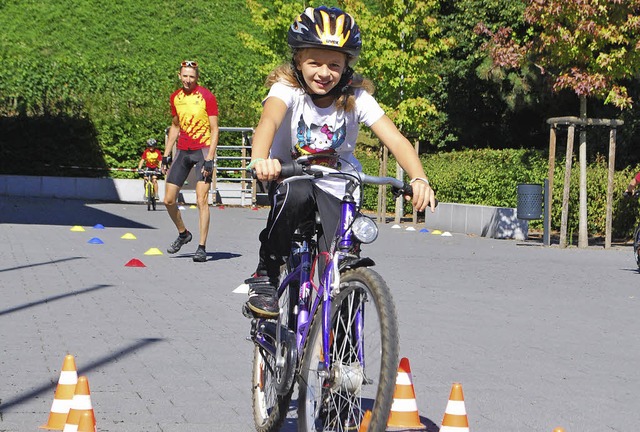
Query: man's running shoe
200	255
179	242
263	299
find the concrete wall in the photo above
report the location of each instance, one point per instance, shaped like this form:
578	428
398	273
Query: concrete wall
102	189
484	221
494	222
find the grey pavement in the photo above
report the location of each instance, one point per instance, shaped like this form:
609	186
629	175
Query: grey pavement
539	337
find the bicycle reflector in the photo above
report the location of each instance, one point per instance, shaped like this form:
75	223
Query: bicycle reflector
365	229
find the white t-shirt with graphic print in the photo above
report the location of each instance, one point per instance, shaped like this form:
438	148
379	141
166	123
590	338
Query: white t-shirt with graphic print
308	129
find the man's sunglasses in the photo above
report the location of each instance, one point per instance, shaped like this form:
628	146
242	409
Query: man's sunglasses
189	63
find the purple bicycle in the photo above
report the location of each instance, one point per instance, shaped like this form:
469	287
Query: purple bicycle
337	333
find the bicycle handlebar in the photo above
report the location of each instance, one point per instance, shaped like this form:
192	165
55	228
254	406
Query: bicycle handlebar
302	168
150	172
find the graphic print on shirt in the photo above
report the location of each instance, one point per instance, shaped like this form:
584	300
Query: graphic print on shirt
152	158
314	139
194	121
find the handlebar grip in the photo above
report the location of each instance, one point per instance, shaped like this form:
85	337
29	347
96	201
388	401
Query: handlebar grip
291	169
288	169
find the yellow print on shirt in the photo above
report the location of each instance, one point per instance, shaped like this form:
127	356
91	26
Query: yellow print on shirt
192	113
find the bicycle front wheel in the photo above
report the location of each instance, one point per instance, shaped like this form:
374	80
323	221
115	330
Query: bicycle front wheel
363	357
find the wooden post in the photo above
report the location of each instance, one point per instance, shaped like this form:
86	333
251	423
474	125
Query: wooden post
415	212
567	182
552	166
382	189
612	164
400	199
583	234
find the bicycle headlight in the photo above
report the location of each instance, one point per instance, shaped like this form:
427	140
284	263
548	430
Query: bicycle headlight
365	229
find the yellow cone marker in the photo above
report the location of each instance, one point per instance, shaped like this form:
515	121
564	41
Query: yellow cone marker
128	236
77	228
193	206
153	251
437	232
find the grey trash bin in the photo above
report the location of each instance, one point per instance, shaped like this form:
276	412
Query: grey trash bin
530	199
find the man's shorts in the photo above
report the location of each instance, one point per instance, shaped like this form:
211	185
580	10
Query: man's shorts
184	161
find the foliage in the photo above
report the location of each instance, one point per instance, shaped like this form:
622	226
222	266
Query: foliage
401	41
587	46
112	65
491	177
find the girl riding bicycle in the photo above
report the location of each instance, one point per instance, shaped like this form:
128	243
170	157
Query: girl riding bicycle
314	106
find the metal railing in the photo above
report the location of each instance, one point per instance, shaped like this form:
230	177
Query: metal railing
247	192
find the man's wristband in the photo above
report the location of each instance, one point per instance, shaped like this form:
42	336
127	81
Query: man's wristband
422	179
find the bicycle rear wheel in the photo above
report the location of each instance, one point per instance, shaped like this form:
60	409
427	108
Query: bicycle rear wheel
363	357
269	407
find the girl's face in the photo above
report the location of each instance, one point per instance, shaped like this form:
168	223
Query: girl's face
321	69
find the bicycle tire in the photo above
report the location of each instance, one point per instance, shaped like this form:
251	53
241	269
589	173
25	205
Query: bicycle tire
353	387
269	408
636	245
148	190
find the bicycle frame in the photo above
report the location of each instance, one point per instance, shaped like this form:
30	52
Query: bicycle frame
329	284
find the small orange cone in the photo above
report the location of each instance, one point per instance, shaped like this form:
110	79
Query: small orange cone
558	429
404	411
87	422
81	404
64	395
455	415
366	419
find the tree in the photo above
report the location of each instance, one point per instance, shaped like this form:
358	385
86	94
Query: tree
587	46
590	47
401	40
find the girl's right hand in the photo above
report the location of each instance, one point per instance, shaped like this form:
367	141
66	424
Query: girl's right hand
267	169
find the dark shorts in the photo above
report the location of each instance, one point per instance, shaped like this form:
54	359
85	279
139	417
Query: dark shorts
184	161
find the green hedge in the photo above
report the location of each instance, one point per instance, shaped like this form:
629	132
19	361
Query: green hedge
491	177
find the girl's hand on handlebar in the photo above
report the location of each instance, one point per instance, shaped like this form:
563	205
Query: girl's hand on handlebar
423	196
267	169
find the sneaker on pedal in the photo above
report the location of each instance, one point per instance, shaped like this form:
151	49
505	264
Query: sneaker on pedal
179	242
263	299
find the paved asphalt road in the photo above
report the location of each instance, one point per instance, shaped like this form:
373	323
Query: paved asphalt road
538	337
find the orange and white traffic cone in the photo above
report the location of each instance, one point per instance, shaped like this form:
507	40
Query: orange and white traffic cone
404	411
366	419
64	395
87	422
455	415
81	404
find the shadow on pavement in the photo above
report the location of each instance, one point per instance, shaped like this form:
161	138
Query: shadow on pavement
50	211
49	387
52	299
39	264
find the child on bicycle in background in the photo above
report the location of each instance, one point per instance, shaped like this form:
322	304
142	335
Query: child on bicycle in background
151	158
632	185
314	106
